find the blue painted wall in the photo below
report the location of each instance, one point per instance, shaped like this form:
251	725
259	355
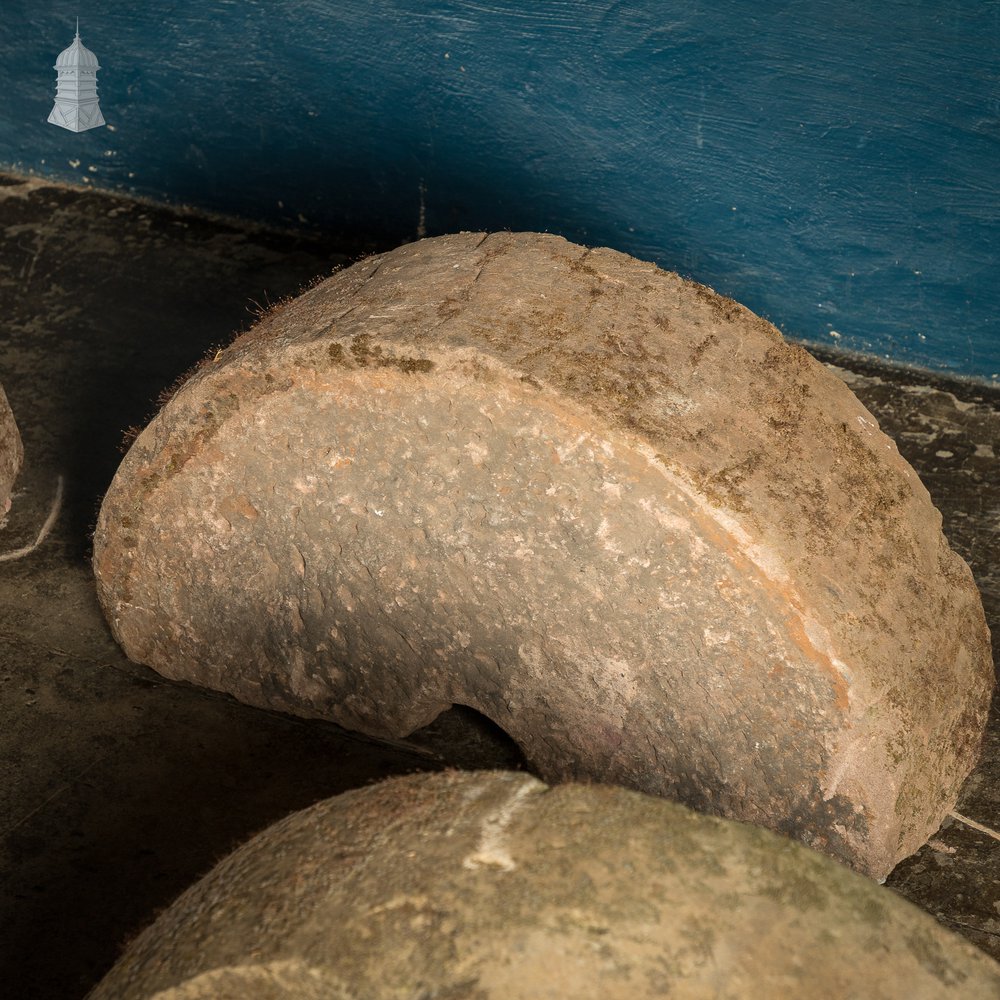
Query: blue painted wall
834	165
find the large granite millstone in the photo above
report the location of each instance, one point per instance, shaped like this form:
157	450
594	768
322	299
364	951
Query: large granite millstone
603	506
491	885
11	452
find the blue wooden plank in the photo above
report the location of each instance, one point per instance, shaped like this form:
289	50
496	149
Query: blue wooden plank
832	165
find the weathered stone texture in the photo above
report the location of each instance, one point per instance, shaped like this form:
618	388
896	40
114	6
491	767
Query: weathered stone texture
11	452
607	508
490	885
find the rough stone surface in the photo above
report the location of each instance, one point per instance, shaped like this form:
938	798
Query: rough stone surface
11	452
607	508
481	885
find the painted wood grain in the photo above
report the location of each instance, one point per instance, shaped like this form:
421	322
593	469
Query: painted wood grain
834	166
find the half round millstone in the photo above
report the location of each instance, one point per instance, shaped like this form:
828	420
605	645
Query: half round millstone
610	510
490	885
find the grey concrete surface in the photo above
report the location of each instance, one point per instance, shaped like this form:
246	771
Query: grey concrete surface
117	788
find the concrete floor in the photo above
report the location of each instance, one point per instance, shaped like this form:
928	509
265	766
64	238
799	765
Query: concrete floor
118	788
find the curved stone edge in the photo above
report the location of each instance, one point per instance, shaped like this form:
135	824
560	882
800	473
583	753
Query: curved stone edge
11	452
492	883
283	980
